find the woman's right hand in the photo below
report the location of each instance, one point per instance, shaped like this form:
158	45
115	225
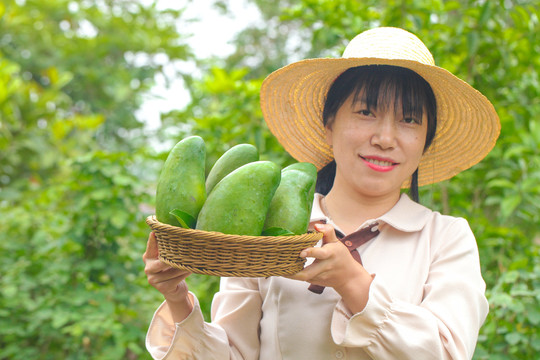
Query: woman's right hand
167	280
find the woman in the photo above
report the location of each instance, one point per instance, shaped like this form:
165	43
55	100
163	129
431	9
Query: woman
404	282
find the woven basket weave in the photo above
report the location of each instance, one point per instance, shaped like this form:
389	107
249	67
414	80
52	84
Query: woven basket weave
214	253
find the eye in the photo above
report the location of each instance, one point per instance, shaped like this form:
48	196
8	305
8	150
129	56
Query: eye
412	120
364	112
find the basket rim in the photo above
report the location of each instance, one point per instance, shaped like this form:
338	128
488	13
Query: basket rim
250	272
151	220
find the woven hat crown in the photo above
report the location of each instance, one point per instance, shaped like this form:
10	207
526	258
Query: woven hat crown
388	43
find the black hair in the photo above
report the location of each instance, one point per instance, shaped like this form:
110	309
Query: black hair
380	84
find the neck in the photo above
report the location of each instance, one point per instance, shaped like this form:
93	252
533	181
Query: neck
349	211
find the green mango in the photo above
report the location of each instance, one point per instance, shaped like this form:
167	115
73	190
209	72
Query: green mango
303	166
310	170
181	184
290	209
230	160
239	202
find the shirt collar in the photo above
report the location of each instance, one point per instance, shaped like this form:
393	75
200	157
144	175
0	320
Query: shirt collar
406	215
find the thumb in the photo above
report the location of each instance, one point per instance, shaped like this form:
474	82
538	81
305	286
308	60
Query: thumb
152	251
329	234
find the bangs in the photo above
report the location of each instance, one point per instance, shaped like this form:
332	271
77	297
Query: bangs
383	85
379	86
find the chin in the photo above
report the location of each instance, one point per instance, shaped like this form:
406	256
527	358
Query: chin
379	190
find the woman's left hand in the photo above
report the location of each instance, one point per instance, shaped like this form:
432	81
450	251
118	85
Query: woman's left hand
335	267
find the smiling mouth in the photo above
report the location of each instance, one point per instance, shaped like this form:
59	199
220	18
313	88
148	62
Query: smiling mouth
378	162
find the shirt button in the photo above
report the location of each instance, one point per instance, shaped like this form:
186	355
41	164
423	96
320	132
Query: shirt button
339	354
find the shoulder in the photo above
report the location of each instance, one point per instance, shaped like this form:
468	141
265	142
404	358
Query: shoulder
410	217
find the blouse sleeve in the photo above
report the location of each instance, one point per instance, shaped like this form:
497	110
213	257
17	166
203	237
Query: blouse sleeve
444	325
233	333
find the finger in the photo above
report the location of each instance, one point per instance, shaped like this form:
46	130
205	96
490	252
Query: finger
152	251
169	274
301	275
329	233
320	253
309	273
169	286
154	266
329	236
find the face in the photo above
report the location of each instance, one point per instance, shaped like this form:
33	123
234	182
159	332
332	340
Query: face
376	150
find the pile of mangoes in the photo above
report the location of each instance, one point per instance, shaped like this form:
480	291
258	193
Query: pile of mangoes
241	194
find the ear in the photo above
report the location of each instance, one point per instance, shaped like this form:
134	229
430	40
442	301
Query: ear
328	134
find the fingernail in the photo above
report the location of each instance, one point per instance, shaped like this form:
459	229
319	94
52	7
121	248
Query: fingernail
303	254
320	227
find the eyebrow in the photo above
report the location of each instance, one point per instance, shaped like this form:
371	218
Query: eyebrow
409	107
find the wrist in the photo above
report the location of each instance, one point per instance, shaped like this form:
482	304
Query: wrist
180	308
179	300
180	296
355	290
180	303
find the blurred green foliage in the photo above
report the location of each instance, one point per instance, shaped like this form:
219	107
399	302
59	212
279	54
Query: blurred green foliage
78	170
72	190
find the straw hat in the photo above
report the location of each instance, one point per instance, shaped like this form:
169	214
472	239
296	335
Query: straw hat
292	101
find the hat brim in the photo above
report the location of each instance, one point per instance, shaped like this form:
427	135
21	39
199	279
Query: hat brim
292	101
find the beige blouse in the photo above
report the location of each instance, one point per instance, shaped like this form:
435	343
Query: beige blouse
426	302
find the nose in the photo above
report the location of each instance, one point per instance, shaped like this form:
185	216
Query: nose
384	135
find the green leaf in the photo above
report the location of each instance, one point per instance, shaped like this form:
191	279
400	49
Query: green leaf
509	204
501	183
276	231
535	130
511	277
513	338
536	344
186	221
534	316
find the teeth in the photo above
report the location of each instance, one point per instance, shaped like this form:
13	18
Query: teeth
379	163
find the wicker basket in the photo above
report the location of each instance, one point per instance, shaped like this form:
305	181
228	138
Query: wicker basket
214	253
